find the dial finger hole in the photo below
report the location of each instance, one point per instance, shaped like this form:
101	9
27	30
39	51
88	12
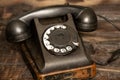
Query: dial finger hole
48	31
69	48
46	36
63	50
57	26
49	47
52	28
63	27
56	50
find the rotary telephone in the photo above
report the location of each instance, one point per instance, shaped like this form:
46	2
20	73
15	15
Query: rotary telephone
52	47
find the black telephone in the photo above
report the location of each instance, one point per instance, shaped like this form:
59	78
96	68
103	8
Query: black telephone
54	46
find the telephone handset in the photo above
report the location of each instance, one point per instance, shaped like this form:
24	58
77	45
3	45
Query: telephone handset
19	29
54	46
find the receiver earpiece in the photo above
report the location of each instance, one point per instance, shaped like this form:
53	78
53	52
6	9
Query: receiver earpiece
17	31
86	20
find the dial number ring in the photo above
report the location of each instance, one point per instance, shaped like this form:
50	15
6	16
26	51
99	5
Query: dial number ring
52	46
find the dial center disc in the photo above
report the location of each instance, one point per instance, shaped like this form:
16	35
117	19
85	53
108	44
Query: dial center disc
60	37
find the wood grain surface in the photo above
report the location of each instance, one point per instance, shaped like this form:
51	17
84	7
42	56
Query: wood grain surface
105	39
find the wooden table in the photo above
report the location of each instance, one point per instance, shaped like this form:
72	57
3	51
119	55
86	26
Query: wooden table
105	39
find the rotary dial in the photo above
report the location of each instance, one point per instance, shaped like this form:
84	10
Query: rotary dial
60	40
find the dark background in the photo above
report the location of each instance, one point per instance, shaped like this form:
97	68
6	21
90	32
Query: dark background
105	39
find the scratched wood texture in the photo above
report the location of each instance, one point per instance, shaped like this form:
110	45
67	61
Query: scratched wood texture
105	39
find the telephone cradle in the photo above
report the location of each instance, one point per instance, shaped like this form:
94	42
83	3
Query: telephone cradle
52	46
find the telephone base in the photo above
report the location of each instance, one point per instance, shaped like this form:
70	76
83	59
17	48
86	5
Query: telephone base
79	73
